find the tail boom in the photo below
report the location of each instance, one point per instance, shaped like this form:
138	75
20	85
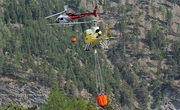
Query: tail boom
83	15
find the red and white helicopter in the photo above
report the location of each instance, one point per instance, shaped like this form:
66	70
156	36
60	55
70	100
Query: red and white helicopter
68	18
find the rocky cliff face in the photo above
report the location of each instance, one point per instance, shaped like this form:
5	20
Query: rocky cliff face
27	94
170	101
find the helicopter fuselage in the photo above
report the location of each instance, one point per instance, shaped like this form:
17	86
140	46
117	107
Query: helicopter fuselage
91	35
68	17
63	19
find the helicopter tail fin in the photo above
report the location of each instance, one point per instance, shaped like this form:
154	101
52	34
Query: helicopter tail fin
65	8
106	30
94	13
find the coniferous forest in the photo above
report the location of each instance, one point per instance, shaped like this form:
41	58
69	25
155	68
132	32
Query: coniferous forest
140	67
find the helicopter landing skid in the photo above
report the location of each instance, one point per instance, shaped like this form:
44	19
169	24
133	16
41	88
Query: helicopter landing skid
62	25
68	25
86	46
103	45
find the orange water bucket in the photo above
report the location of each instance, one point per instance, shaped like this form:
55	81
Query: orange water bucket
73	40
101	100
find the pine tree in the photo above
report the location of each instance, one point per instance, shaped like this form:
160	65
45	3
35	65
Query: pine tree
147	16
75	104
56	100
7	18
2	59
158	55
12	106
164	12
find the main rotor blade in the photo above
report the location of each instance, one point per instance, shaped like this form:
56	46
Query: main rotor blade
53	24
103	37
65	10
76	22
70	23
55	14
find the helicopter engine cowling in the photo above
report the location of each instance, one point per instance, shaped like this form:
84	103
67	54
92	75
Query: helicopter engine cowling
99	33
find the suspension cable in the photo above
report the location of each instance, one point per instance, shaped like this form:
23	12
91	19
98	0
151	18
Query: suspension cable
97	74
99	81
96	71
100	74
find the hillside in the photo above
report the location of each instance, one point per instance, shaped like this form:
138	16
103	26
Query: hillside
140	69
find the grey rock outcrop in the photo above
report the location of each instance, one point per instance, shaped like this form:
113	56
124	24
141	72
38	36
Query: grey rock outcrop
27	94
170	101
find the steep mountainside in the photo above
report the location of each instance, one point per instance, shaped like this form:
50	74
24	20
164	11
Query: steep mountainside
140	69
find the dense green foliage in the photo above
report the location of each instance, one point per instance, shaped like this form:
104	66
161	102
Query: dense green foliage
30	50
133	85
58	101
13	106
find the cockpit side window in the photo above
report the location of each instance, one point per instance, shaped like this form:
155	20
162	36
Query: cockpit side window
71	14
97	30
60	19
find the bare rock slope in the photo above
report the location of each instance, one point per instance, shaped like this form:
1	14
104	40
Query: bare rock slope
27	94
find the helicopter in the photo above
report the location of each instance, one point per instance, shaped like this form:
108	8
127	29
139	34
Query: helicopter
68	18
94	37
